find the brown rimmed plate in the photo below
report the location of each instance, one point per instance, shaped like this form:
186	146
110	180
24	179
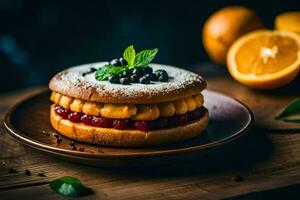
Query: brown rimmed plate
28	122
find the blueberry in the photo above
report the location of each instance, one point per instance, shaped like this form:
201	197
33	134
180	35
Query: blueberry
148	70
127	73
115	62
123	61
163	78
134	78
162	75
114	79
152	77
92	70
72	143
124	81
138	72
144	80
160	72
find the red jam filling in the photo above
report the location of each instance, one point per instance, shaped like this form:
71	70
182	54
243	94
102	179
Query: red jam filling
124	124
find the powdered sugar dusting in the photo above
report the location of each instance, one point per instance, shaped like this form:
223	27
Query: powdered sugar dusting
179	79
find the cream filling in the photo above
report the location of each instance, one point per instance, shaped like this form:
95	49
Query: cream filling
136	112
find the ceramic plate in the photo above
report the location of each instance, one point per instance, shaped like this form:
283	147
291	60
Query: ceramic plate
28	122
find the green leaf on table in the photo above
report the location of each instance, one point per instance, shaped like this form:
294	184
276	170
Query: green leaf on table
69	186
144	57
291	109
129	55
292	120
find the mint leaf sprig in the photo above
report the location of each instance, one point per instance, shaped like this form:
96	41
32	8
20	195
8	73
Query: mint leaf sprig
108	70
290	110
134	60
129	55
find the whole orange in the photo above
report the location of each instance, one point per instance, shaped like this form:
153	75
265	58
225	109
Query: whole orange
225	26
289	21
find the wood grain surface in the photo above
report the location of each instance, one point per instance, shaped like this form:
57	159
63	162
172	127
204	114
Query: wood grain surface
263	164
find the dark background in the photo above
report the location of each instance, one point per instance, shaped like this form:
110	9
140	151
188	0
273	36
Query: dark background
40	38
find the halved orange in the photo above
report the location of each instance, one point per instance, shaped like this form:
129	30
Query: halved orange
265	59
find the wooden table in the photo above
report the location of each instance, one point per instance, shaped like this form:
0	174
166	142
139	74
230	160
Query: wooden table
264	165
